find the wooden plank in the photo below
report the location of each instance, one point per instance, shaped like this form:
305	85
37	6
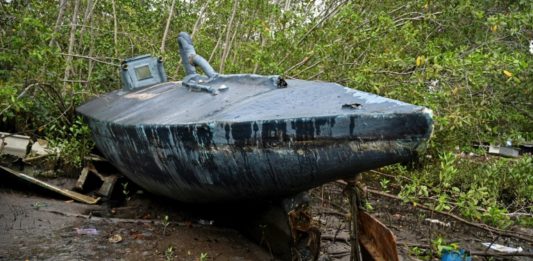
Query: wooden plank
65	192
376	238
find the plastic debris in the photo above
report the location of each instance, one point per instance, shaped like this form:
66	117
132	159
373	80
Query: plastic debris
438	222
455	255
38	205
13	144
116	238
86	231
502	248
503	151
206	222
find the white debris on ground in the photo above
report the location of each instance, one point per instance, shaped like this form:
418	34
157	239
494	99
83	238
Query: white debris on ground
502	248
438	222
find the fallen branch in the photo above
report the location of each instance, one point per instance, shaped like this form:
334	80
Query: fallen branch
474	224
122	220
27	160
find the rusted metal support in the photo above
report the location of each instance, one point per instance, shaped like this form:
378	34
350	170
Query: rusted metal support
283	227
351	192
305	235
374	240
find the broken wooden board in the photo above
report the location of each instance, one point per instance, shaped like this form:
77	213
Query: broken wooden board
376	239
108	181
65	192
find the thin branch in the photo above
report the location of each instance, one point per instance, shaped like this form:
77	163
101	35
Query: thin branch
216	47
326	17
307	68
302	62
90	58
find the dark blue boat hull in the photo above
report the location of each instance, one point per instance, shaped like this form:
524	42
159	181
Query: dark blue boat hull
236	159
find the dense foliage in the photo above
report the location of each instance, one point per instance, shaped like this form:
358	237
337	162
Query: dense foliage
469	61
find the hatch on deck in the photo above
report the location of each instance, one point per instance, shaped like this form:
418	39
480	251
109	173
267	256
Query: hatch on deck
142	71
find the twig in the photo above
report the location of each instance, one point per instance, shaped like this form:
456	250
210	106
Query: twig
26	160
481	226
390	175
297	65
393	72
307	68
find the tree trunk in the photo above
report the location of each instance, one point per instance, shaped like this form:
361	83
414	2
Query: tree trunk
59	21
199	21
71	42
87	16
165	34
228	36
115	28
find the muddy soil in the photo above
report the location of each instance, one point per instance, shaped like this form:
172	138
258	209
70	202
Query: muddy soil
38	225
42	226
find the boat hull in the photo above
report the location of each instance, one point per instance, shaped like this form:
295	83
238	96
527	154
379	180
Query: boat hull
220	161
253	139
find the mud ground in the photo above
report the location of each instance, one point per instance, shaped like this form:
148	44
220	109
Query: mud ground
38	225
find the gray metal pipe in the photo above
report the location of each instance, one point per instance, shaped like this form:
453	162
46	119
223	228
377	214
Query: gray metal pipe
190	59
198	60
